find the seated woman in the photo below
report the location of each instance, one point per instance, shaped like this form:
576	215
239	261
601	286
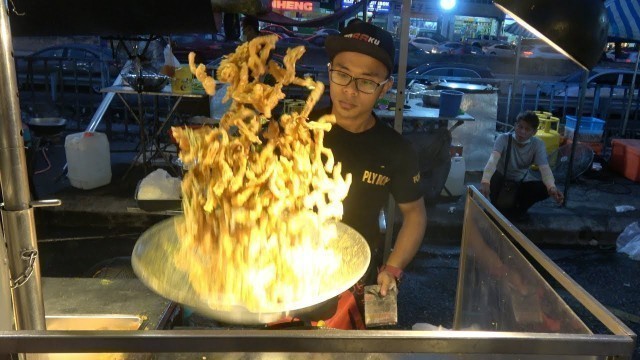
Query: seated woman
519	149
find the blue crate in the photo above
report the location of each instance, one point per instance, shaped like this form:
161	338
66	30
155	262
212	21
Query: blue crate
587	124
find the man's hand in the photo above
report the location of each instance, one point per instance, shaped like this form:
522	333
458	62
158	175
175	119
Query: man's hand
485	189
386	282
556	194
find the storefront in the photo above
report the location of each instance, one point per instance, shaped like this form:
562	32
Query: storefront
470	27
300	10
377	11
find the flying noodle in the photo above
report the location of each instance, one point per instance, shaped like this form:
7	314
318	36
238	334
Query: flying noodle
258	199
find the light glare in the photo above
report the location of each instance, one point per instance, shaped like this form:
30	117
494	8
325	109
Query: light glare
447	4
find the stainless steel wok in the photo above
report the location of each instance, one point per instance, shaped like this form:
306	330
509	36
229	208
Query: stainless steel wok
153	259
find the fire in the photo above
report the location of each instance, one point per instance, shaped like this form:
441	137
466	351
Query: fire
257	203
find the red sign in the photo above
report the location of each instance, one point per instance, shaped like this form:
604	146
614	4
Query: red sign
292	5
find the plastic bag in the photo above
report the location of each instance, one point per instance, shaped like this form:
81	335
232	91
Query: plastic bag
170	62
628	241
159	185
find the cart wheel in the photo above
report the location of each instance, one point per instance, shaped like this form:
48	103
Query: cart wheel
114	268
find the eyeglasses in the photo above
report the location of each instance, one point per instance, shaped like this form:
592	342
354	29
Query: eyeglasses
363	85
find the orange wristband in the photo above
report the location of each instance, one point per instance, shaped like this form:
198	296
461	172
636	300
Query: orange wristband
392	270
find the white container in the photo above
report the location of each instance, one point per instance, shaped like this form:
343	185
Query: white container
455	180
88	160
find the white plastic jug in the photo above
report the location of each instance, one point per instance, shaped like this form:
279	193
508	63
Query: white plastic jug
455	180
88	160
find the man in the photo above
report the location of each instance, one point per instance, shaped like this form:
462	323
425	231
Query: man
525	150
380	160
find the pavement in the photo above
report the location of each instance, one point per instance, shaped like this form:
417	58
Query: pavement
589	217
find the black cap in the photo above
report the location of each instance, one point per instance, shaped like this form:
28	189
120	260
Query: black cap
366	39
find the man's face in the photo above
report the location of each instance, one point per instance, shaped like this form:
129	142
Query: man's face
524	131
349	104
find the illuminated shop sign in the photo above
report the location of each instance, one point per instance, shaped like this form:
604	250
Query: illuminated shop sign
379	6
292	5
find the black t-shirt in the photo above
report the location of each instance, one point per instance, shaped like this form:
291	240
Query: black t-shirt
381	162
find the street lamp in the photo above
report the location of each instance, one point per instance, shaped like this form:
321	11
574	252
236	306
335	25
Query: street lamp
447	4
576	28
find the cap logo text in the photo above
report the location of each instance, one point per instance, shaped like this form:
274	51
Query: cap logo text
363	37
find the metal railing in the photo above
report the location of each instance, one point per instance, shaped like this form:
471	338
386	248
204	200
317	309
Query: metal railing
72	86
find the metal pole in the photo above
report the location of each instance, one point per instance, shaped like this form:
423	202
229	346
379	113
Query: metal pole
6	310
365	7
17	214
515	78
631	91
397	124
583	90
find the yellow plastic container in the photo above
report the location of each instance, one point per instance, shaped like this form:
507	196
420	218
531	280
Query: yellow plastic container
548	133
543	114
182	82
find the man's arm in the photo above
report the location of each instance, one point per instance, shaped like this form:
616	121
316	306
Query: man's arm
407	243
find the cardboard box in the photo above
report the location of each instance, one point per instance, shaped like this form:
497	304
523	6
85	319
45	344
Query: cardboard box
625	158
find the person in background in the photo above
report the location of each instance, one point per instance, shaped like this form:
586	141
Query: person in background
380	160
250	28
526	150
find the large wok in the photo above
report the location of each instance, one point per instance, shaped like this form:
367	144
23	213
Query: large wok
153	259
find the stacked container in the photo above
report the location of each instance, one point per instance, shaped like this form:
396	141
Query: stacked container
591	129
625	158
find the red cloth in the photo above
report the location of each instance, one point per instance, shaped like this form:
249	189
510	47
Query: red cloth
347	316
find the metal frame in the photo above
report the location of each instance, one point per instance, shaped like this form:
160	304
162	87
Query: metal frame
325	341
395	344
17	211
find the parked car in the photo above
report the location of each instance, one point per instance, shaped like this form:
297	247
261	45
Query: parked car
450	47
278	29
499	50
279	35
449	71
292	42
426	44
415	56
623	56
471	49
606	95
317	40
610	83
431	34
84	65
206	46
326	32
540	51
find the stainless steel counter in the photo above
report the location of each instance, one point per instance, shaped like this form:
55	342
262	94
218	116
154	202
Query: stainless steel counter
86	296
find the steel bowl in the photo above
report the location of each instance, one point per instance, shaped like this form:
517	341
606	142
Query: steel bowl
47	125
146	81
153	258
431	98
